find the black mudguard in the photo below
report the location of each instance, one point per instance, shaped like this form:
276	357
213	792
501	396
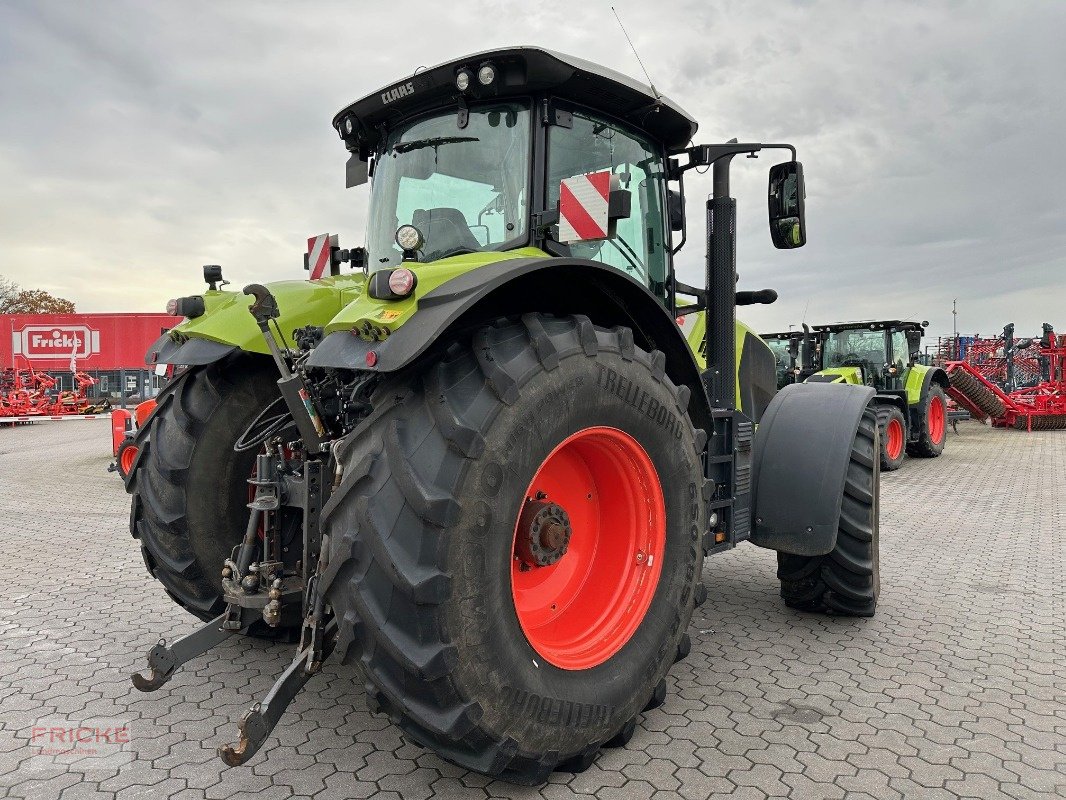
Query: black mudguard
935	375
191	352
515	286
897	399
802	450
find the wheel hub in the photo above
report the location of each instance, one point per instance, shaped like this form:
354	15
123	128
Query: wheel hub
543	534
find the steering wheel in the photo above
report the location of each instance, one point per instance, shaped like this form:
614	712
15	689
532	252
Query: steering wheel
851	360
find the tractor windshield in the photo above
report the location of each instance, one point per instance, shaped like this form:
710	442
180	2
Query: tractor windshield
779	347
855	347
466	189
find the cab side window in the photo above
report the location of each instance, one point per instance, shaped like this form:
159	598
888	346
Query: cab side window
900	350
639	247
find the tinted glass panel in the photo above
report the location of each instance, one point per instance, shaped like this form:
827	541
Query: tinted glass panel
592	145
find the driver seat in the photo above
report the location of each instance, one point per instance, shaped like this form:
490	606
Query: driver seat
445	229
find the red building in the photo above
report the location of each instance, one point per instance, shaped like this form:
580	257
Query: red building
110	347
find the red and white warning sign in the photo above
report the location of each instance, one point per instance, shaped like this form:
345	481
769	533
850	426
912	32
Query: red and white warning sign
583	206
318	251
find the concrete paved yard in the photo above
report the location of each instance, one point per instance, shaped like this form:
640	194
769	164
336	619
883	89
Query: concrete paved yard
956	689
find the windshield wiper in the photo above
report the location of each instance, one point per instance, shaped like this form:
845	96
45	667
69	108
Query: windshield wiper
418	144
449	252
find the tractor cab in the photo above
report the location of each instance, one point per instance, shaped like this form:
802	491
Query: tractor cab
797	354
519	148
881	352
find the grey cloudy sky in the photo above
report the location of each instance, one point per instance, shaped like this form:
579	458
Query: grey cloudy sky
141	140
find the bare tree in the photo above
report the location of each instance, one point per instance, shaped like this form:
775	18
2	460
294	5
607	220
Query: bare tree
16	300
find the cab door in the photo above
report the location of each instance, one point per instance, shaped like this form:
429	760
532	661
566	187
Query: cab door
640	246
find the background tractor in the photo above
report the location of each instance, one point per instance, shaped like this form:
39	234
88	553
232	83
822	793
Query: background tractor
798	354
485	467
911	399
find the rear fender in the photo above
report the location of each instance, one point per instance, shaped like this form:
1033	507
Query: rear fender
801	453
511	287
226	325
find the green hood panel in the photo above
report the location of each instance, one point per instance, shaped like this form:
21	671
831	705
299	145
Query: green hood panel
376	319
695	344
336	303
695	338
226	319
847	374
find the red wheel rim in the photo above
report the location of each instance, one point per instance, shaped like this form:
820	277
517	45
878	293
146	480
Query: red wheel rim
579	611
936	419
894	439
125	461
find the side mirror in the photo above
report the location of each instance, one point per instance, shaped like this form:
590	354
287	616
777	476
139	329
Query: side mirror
914	344
785	200
356	171
675	206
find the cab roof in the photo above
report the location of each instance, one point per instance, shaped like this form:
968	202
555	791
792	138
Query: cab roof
872	325
520	71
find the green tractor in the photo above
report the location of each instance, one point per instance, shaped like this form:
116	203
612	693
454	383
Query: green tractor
485	466
911	398
797	354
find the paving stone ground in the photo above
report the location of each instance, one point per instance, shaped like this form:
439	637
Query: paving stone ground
956	689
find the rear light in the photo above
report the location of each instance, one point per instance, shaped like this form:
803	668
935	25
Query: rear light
371	358
402	282
393	284
190	307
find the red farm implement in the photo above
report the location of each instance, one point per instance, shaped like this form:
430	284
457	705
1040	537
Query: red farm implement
27	393
1041	405
1007	361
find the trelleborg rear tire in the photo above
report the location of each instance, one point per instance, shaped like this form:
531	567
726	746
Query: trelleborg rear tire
189	486
466	640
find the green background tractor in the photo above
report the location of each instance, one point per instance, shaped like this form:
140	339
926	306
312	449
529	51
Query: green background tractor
492	465
911	397
797	354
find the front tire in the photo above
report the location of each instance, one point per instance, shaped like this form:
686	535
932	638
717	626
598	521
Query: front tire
126	457
190	489
893	429
440	485
847	580
932	428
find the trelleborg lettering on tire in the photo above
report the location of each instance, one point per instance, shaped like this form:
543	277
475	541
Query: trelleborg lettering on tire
637	397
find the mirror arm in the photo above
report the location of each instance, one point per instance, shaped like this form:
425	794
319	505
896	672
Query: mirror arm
684	288
684	222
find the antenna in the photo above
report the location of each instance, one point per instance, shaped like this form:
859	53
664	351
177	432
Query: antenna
654	91
805	311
